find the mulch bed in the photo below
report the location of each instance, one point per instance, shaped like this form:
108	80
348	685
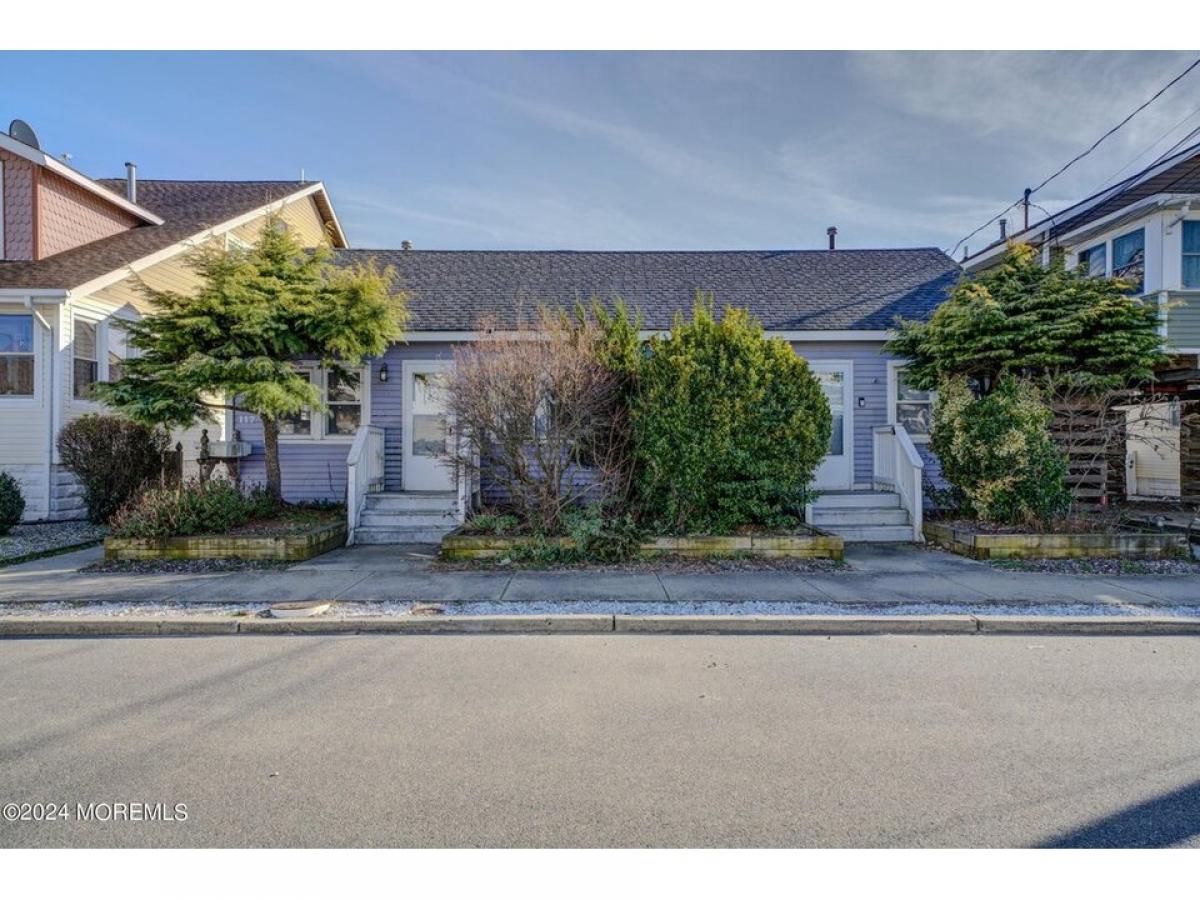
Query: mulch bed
295	522
42	539
1078	525
1101	565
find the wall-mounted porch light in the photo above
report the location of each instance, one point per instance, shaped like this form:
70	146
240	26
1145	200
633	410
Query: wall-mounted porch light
383	373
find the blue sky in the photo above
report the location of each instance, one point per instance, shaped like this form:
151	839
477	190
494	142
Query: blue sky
618	150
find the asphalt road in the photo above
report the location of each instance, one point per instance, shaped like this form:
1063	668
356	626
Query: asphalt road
606	741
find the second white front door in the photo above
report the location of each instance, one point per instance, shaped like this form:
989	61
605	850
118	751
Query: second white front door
836	471
427	429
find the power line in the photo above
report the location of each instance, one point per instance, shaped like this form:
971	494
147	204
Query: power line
1179	143
995	218
1119	125
1151	146
1099	141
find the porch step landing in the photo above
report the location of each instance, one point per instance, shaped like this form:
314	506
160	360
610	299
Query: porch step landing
407	517
862	516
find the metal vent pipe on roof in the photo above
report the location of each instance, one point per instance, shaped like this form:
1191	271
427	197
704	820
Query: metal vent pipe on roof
131	182
1004	229
832	232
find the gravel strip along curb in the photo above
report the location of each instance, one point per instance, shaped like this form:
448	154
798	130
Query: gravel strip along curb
605	624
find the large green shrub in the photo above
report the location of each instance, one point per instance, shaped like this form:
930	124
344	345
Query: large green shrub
997	453
1048	324
728	426
192	508
12	503
113	458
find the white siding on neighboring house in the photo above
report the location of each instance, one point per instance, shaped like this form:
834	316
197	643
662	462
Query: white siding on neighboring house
25	421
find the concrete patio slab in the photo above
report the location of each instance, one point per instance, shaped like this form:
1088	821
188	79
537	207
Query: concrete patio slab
373	557
870	558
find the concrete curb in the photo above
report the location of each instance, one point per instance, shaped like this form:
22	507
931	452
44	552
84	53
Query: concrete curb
603	624
795	624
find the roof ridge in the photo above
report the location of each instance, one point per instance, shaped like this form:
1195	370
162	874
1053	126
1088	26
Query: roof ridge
213	180
938	250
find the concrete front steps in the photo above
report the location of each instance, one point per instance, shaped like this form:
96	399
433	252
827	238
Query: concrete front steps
860	516
407	517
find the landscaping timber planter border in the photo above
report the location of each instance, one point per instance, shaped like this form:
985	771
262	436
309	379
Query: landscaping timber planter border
287	547
814	545
979	545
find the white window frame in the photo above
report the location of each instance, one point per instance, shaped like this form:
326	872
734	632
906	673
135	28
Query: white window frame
98	323
1110	255
10	400
1106	246
893	393
1183	254
108	343
320	420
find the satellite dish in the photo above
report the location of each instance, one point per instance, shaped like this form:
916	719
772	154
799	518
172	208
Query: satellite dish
19	130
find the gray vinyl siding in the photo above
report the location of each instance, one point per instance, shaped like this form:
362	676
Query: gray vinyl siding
311	470
870	382
387	401
316	470
1183	322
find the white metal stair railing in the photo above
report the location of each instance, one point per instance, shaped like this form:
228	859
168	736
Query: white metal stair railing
899	468
364	473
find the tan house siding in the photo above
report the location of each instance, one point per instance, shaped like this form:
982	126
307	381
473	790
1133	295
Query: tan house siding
301	216
70	215
18	207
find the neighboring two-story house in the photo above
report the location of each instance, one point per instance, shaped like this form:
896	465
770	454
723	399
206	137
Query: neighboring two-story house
1146	229
71	252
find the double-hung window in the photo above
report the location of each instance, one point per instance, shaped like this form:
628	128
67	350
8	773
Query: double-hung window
86	353
16	355
343	402
1129	258
1094	261
1191	254
911	407
299	424
116	351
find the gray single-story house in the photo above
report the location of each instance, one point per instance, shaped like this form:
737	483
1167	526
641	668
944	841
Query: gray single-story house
72	250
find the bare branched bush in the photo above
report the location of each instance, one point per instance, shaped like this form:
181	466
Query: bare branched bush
540	416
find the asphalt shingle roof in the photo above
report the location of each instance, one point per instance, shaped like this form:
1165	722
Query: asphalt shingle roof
188	207
788	290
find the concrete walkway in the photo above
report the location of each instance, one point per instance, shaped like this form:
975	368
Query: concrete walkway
878	575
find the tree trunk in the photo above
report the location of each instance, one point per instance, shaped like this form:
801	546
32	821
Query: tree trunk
271	451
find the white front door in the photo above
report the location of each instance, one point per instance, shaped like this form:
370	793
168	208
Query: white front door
836	471
426	430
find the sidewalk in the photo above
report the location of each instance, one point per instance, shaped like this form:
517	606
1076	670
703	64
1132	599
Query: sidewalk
880	576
